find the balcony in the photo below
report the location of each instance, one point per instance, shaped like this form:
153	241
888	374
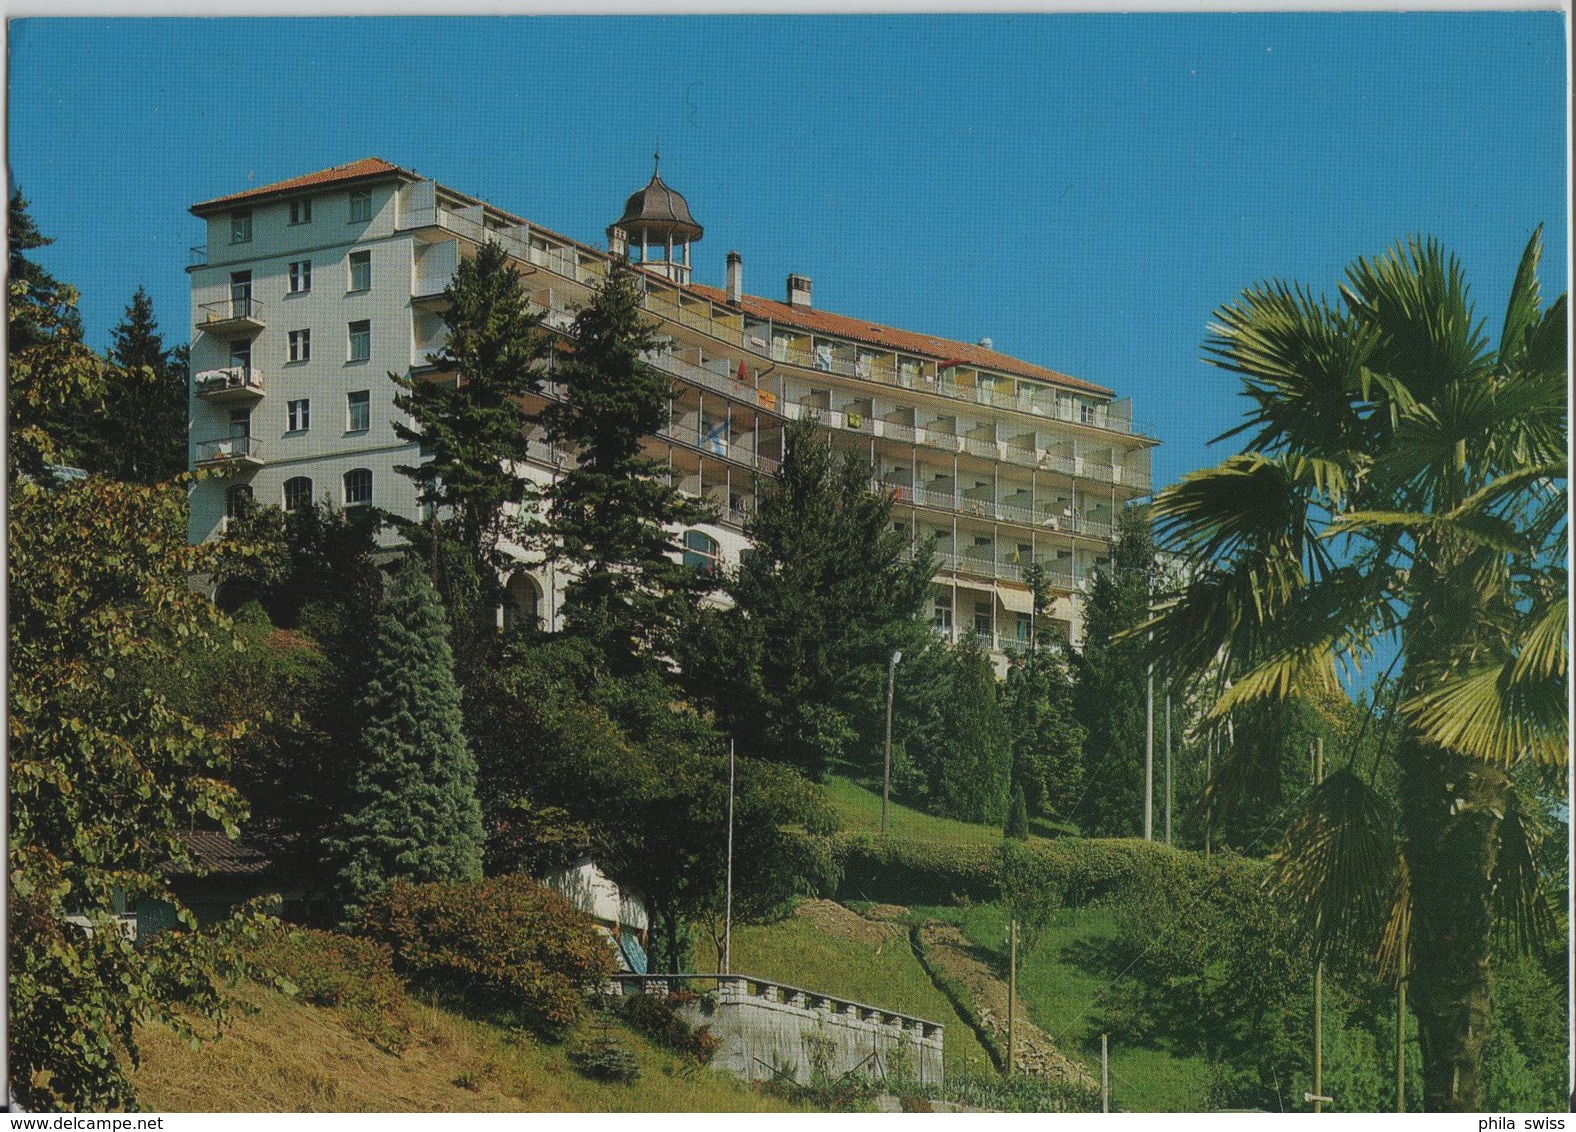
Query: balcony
232	385
236	452
239	317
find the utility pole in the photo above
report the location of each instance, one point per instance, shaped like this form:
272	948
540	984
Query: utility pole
727	915
1318	972
886	772
1149	754
1400	1034
1105	1076
1012	990
1168	762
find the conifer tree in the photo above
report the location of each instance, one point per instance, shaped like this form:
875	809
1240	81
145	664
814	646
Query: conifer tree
964	750
412	809
1017	816
611	511
140	437
1111	684
53	380
829	590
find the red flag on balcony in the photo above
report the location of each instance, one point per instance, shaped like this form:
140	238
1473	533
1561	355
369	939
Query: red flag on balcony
744	374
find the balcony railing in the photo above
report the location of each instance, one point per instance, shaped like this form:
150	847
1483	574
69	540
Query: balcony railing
238	314
232	383
198	256
230	449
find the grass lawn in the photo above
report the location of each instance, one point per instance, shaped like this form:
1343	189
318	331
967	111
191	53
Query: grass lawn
884	973
292	1057
1062	998
860	811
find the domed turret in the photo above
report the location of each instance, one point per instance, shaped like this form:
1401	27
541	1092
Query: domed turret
658	223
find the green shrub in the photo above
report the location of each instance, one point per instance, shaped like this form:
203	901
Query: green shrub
914	872
657	1016
605	1060
355	976
503	944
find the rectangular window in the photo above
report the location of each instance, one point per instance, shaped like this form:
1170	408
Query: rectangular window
301	211
361	271
300	345
360	205
241	227
1024	630
361	340
982	622
300	276
358	411
298	415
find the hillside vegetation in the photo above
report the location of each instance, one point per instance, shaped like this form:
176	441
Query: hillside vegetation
288	1056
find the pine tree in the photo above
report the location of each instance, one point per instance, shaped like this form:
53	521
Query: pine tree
472	430
412	811
53	380
1112	676
966	752
610	512
1017	816
827	593
140	437
1047	743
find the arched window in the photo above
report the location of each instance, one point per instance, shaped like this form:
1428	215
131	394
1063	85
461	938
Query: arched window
298	493
701	552
358	486
522	602
237	500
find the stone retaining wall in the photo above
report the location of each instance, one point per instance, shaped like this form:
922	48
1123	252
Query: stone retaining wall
767	1028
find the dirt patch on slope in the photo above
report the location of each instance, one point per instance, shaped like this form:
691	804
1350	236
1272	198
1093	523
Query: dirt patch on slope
844	923
1034	1053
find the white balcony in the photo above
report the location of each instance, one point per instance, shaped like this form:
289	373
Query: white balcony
237	451
236	317
240	385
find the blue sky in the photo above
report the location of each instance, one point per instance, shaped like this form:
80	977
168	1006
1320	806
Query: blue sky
1083	189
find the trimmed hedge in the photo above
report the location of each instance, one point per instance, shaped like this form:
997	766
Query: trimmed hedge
501	943
1068	872
896	871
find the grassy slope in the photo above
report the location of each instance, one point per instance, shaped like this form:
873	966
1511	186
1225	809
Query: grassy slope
291	1057
1060	995
860	811
886	974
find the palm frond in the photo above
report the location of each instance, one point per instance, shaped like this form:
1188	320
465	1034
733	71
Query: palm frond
1303	671
1524	308
1394	954
1486	714
1521	913
1339	863
1545	648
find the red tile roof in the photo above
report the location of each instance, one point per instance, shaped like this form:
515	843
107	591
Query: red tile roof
804	318
943	349
352	171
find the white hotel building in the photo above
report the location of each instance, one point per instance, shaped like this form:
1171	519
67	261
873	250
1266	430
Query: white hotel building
309	292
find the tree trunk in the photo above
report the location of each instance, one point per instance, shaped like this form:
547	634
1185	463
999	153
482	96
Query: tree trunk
1451	812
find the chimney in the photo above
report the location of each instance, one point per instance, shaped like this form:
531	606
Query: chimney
799	291
735	278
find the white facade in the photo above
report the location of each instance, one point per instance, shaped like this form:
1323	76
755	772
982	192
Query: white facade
1004	463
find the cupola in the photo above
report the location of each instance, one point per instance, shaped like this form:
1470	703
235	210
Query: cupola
656	230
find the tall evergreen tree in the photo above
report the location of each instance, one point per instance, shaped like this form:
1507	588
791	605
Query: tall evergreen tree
141	435
471	433
965	752
1112	676
412	801
611	511
53	380
826	594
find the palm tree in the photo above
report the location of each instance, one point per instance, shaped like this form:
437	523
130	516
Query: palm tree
1401	494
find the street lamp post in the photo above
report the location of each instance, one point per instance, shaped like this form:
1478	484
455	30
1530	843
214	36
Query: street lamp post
886	772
